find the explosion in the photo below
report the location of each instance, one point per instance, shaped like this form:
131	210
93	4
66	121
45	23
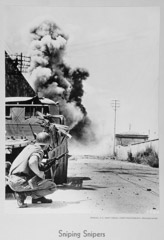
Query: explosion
47	48
53	79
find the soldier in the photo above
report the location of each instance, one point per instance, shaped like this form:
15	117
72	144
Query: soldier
26	167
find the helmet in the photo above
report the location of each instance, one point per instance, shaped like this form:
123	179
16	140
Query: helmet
43	138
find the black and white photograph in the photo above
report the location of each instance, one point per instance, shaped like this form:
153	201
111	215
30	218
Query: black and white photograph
81	118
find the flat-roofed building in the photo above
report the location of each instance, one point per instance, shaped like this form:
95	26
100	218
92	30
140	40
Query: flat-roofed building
128	138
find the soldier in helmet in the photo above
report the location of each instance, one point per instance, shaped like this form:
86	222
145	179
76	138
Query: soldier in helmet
25	167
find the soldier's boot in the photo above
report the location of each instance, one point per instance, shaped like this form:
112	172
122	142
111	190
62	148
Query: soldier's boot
41	200
20	197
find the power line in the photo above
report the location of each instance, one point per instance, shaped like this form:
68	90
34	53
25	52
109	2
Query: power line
106	41
20	61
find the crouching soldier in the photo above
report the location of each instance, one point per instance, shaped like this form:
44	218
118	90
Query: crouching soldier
25	168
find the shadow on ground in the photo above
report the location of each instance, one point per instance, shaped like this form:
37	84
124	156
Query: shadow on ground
55	204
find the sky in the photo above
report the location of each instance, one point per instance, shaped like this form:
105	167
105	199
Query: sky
119	46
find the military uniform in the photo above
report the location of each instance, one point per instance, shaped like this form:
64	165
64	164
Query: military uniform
21	174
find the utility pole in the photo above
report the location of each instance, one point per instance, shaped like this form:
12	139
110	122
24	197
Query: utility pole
115	104
21	62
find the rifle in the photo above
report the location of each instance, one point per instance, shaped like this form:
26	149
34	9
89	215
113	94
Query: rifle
48	164
35	181
34	134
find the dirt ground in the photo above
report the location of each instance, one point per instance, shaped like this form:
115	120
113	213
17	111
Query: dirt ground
112	187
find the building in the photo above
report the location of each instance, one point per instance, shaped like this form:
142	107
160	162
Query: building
15	83
127	138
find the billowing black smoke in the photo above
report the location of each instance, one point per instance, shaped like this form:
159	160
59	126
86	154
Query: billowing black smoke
54	79
83	130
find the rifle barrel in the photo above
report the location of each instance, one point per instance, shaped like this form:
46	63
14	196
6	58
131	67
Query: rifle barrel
56	158
50	161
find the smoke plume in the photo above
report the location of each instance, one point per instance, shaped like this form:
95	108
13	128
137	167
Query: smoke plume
47	48
54	79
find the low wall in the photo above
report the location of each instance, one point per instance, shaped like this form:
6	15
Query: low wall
122	151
